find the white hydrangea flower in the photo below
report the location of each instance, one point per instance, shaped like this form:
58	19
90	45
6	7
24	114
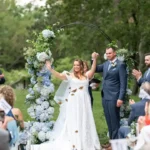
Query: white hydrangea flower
129	92
49	53
48	135
121	57
47	34
33	80
29	97
50	110
41	136
39	110
33	131
30	109
27	125
29	61
32	114
42	56
45	91
51	88
45	104
39	101
105	56
43	117
33	139
121	114
30	90
37	126
45	129
37	87
36	64
50	124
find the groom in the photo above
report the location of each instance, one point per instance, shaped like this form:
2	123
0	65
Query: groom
113	89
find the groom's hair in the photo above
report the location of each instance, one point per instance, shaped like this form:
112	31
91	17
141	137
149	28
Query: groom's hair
113	48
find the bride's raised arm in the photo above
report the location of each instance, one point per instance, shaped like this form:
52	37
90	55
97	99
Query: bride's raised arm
55	73
91	72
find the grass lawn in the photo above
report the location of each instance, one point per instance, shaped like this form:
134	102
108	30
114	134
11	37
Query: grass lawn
97	111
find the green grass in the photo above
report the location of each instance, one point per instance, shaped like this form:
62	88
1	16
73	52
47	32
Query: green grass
97	111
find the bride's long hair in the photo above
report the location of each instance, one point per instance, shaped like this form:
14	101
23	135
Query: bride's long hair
81	68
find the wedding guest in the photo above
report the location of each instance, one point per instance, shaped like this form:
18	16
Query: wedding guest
9	124
145	120
138	75
4	136
2	78
113	89
143	139
137	109
8	94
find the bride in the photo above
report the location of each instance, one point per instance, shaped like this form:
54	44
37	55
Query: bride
75	127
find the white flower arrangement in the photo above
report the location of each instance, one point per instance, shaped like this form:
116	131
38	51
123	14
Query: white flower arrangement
48	34
42	57
40	89
129	92
105	56
121	57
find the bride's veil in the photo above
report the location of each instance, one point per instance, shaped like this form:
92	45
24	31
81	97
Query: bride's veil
60	98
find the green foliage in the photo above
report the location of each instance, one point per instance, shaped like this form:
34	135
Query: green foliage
13	33
113	45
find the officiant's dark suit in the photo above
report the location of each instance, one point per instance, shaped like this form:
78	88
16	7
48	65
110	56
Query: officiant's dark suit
113	90
145	77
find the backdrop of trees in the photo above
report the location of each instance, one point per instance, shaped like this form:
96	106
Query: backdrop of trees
88	26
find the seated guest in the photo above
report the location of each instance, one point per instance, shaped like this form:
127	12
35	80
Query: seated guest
143	140
8	94
145	120
8	131
137	109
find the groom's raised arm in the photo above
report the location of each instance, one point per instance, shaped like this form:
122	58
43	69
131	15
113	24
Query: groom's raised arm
99	68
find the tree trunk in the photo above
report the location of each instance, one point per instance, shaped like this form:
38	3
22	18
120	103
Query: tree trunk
140	67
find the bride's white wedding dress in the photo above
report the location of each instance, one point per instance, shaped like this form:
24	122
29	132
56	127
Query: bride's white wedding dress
75	128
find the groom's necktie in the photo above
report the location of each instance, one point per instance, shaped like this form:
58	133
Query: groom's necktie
148	72
110	63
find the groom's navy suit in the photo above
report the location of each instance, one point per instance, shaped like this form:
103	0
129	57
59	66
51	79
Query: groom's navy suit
113	88
144	78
